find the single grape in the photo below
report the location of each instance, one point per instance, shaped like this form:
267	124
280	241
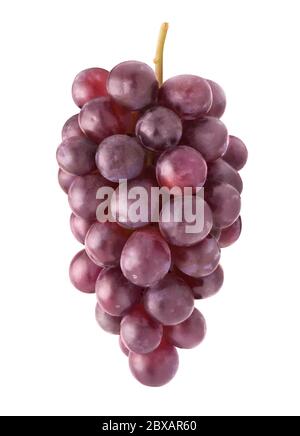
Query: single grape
83	272
204	287
190	96
181	167
208	135
189	333
111	324
82	195
158	129
219	100
139	332
120	157
115	293
99	119
65	180
170	301
178	231
221	172
225	203
122	207
72	128
104	243
146	257
199	260
156	368
76	155
236	154
231	234
89	84
123	347
79	227
133	84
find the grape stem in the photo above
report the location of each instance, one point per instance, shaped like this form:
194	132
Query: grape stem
159	55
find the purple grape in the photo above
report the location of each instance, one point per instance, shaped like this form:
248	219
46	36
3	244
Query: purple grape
208	135
123	347
204	287
132	84
159	129
182	166
104	243
170	301
190	96
146	257
215	232
65	180
121	206
231	234
89	84
79	227
176	233
221	172
120	157
99	119
199	260
82	195
219	100
156	368
72	128
76	155
83	272
236	154
189	333
115	293
111	324
225	203
139	332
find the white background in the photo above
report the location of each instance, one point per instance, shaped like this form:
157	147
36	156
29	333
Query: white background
54	358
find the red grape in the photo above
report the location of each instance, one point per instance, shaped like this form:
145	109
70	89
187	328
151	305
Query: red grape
146	257
76	155
107	322
159	128
219	100
204	287
208	135
89	84
71	128
170	301
79	227
115	293
189	333
104	243
230	234
181	166
190	96
132	84
83	272
139	332
156	368
123	347
65	180
237	153
220	171
225	203
199	260
120	157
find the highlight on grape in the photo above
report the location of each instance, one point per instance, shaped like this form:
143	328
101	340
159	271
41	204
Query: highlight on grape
152	179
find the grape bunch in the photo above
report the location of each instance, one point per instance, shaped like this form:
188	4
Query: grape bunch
147	275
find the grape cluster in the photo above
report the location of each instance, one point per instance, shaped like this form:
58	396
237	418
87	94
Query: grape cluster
147	275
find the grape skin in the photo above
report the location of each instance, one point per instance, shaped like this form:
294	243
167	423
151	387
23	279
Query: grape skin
204	287
170	301
109	323
189	333
156	368
83	272
146	257
120	157
79	227
76	155
71	128
236	154
225	203
89	84
65	180
219	100
231	234
220	171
